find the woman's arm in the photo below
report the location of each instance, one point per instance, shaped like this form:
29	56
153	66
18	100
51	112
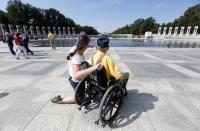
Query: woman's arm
81	74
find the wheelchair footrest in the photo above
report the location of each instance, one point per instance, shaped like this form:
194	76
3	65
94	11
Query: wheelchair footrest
86	102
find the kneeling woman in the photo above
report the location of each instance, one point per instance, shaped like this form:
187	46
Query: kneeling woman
75	58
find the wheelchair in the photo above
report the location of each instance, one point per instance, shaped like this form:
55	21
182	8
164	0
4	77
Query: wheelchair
96	86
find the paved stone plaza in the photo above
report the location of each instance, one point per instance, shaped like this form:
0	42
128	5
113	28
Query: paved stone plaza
163	91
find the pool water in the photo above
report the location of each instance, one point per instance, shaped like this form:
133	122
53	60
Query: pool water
125	43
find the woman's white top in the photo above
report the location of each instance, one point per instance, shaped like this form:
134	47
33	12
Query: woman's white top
77	59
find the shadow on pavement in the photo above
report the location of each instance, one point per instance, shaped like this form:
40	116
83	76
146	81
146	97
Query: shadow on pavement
134	105
3	94
40	56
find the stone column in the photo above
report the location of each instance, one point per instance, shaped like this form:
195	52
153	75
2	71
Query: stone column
164	30
43	30
73	31
25	29
68	31
159	30
54	30
195	30
175	30
32	30
59	31
170	31
18	27
3	28
182	31
11	29
188	30
38	30
64	31
49	29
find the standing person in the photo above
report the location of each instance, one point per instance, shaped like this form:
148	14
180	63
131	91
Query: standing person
75	58
25	42
20	46
9	39
51	38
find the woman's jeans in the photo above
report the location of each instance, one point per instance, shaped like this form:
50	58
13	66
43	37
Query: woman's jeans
19	50
73	84
10	46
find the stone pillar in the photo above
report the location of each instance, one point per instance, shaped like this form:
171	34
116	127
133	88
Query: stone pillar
12	31
25	29
73	31
170	31
182	31
159	30
188	30
49	29
3	28
68	31
195	30
164	30
32	30
18	27
59	31
64	31
43	30
54	30
38	30
175	30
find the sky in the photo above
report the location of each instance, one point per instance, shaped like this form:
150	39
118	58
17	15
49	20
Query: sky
108	15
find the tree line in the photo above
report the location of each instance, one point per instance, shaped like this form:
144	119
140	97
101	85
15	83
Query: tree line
19	13
191	17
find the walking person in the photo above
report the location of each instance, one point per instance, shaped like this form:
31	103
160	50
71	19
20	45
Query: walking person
25	42
51	39
9	40
20	46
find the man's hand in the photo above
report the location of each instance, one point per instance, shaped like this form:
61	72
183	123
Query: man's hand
98	66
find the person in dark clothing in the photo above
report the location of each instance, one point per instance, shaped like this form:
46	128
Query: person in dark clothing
9	40
25	38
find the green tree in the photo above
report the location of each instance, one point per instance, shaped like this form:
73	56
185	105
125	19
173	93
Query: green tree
89	30
26	14
69	22
54	18
3	17
139	27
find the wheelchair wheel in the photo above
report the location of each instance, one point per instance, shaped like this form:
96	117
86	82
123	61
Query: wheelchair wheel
80	91
111	103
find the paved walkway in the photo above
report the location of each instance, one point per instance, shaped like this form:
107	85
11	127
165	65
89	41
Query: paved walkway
163	89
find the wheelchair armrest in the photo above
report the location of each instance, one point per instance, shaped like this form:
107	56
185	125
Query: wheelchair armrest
85	65
112	81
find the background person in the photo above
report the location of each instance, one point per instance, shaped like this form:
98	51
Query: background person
26	41
9	40
20	46
51	39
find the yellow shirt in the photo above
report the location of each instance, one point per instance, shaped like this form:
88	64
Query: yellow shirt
109	64
51	36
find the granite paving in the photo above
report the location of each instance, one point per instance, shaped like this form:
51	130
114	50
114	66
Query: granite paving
163	91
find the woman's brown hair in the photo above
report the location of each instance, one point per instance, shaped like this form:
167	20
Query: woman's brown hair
83	41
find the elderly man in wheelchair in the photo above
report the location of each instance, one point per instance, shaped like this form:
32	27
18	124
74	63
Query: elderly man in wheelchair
109	84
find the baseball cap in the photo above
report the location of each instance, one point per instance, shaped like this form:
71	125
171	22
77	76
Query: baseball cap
103	41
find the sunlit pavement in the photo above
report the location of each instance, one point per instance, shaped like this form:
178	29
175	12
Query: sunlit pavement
163	91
